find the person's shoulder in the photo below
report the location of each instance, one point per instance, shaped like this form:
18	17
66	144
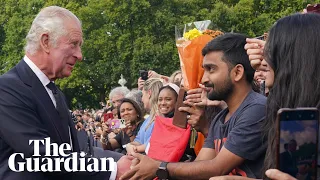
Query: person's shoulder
10	81
253	106
10	76
255	98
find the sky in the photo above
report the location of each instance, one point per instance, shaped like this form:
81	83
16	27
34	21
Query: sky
302	131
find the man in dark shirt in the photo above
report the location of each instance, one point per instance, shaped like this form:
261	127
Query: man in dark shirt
235	142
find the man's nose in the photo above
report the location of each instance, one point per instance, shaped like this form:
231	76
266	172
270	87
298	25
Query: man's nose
205	78
78	54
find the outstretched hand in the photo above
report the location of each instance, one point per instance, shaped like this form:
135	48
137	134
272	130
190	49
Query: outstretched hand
145	169
123	165
275	174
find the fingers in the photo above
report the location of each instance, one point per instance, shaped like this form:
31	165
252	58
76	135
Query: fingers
255	52
278	175
138	156
194	96
230	178
192	102
251	46
134	162
194	91
253	57
140	80
131	158
256	63
165	78
185	109
128	174
259	42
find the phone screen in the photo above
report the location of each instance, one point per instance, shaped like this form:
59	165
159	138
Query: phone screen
116	123
144	74
107	116
298	143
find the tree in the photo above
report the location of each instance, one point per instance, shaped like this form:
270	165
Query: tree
124	36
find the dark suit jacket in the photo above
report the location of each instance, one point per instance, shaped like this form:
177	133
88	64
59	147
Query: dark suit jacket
288	163
27	113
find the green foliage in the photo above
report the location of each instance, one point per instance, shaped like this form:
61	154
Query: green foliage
123	36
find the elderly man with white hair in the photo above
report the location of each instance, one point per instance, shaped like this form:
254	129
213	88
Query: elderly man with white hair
33	108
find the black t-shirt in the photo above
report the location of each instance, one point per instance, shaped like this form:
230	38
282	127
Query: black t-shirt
242	134
122	138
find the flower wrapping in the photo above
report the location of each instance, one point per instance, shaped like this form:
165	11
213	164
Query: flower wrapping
190	44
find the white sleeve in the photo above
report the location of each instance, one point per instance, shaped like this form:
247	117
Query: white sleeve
114	173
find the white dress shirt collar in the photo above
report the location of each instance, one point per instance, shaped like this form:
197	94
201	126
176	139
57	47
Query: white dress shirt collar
42	77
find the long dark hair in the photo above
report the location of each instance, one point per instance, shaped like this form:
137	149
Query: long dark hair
292	50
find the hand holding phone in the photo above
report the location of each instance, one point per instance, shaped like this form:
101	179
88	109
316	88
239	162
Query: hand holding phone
107	116
116	123
297	142
143	74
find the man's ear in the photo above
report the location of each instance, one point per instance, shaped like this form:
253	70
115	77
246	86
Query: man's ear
238	72
44	42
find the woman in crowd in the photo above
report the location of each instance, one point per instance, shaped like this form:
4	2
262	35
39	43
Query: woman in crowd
167	100
264	77
130	111
176	78
292	50
150	94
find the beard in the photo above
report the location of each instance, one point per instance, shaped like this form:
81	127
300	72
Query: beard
220	93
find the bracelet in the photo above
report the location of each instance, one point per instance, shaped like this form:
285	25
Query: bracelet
104	140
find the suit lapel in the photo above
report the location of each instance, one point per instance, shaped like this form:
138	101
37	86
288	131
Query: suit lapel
29	78
73	133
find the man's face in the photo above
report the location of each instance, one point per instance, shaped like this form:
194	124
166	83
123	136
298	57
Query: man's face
216	76
67	51
116	100
292	146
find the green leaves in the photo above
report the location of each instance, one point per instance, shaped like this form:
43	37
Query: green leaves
124	36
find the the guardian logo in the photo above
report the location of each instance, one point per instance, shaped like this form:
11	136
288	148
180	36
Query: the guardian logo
56	159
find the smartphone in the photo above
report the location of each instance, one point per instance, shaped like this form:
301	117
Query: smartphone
297	142
117	123
313	8
260	37
107	116
143	74
180	118
263	88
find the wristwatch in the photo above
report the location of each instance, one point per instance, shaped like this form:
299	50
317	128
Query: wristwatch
162	172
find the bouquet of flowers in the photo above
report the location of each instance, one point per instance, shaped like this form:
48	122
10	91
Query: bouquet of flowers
190	40
168	142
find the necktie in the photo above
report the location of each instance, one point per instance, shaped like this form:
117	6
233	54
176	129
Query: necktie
62	109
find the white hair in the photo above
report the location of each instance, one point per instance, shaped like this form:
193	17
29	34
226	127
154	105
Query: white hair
123	91
49	20
136	95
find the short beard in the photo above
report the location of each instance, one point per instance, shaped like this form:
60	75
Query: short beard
223	93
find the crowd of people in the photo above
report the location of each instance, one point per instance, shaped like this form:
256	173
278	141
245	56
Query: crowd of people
240	133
